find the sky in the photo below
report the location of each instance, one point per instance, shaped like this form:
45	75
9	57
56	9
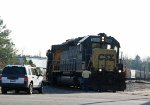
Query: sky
38	24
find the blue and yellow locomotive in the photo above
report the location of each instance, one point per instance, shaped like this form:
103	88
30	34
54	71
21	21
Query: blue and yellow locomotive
97	53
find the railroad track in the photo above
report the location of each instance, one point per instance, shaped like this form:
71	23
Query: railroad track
132	85
138	81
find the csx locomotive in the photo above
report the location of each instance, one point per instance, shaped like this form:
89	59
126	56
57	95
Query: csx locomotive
97	53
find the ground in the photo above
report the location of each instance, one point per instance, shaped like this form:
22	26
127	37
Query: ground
65	96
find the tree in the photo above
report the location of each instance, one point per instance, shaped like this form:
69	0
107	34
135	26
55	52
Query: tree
137	63
28	62
146	64
7	50
31	63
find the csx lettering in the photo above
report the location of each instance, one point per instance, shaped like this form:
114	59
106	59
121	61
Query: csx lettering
106	57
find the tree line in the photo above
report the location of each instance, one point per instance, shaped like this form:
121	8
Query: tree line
137	63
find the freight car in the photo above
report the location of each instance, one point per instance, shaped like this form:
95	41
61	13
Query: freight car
98	53
137	74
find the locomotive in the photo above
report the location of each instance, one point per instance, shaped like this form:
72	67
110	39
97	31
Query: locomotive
97	53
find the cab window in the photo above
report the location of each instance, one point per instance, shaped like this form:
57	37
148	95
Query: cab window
95	45
34	72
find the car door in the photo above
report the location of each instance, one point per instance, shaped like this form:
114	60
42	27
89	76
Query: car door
39	80
40	76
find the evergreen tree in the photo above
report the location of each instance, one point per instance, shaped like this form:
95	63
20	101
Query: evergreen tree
7	50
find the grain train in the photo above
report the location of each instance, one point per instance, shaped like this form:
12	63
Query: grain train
97	53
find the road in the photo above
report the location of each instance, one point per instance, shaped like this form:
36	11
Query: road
59	96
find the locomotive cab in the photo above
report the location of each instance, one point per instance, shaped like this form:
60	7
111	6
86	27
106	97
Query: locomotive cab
106	66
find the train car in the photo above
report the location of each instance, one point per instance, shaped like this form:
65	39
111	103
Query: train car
97	53
142	75
131	74
137	75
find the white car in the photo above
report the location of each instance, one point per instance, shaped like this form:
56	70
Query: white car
20	77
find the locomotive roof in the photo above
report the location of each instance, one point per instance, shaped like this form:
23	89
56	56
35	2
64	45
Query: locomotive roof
79	40
72	41
83	39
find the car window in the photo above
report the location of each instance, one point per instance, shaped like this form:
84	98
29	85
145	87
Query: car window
34	72
14	70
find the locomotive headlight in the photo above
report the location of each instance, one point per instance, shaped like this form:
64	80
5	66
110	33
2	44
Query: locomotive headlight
100	70
119	71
